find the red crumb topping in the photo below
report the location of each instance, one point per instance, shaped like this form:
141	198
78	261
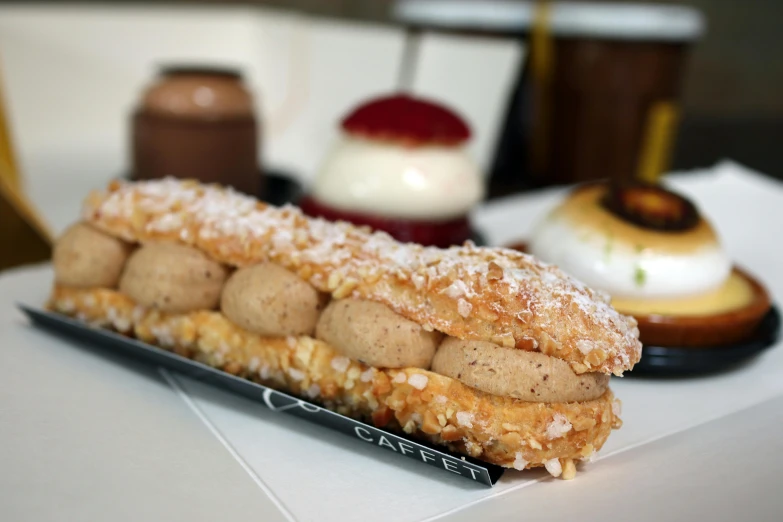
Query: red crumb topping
402	118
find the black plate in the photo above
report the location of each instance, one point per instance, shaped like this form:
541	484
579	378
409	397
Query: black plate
676	361
281	188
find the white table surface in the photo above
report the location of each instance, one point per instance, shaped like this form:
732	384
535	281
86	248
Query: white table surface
85	435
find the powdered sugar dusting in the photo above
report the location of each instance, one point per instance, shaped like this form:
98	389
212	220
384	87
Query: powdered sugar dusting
519	462
590	458
457	289
465	418
585	346
418	381
533	295
340	364
554	467
464	308
366	375
617	407
558	427
295	374
314	391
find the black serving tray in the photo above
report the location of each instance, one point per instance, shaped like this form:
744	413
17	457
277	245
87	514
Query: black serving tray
668	361
281	188
361	432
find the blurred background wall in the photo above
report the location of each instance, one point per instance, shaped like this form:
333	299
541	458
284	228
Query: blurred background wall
732	107
733	103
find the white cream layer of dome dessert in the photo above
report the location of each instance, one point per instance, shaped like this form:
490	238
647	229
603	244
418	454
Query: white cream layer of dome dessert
622	270
429	182
625	260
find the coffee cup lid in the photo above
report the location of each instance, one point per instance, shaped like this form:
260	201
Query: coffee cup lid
185	69
625	21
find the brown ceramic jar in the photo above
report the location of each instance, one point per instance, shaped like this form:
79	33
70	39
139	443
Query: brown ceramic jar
197	123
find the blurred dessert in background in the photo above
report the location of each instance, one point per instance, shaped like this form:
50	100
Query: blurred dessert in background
658	258
600	89
400	166
199	123
24	234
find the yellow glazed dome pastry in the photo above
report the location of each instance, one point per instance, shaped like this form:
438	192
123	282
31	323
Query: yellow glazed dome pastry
658	258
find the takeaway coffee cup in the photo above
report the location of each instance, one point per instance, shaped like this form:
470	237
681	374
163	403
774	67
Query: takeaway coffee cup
598	96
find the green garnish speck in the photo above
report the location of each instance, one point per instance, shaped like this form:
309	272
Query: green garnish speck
608	246
640	276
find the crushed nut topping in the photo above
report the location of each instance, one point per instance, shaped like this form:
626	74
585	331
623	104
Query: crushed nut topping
351	261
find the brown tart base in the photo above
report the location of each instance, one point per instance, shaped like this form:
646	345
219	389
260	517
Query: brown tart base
708	331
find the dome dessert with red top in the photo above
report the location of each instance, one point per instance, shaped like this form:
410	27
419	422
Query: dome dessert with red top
400	166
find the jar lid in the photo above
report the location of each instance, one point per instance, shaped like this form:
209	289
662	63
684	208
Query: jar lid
200	70
623	21
198	91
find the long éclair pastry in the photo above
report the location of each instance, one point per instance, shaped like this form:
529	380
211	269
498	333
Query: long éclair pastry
486	351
